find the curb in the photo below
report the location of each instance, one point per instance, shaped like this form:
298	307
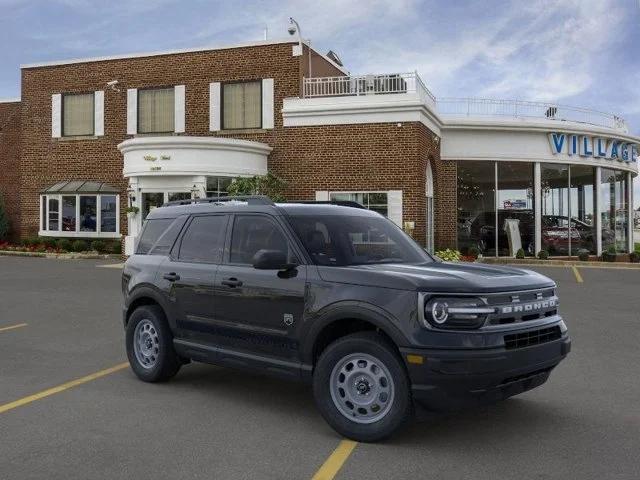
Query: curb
560	263
62	256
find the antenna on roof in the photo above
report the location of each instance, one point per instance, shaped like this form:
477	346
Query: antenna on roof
266	33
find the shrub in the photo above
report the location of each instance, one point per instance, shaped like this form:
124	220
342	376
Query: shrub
270	185
116	247
474	252
65	244
449	255
543	254
98	246
79	246
610	254
634	257
583	255
520	254
29	241
48	242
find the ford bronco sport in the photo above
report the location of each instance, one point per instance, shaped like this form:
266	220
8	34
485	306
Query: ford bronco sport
339	296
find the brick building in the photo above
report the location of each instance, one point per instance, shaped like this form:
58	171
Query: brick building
90	137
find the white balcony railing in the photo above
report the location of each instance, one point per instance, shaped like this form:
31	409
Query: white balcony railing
392	83
472	107
403	83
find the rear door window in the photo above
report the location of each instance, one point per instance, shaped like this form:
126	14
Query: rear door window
203	241
255	232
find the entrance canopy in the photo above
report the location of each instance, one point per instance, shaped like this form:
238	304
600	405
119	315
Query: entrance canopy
80	186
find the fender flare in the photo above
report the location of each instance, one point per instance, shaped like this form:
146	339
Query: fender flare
350	310
149	291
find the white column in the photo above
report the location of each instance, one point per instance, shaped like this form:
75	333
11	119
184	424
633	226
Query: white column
179	109
267	103
322	195
630	211
598	215
132	111
214	107
537	207
394	205
56	115
98	113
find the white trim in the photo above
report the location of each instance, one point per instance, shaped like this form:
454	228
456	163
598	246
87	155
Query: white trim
98	113
132	111
598	212
394	206
78	233
630	221
268	103
322	195
214	107
56	115
10	100
537	207
179	108
156	53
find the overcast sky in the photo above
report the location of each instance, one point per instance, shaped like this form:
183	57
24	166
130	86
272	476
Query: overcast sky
578	52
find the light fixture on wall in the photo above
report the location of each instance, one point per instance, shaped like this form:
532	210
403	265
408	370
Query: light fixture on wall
132	195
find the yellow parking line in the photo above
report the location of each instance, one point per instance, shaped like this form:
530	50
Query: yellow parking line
577	274
60	388
11	327
334	463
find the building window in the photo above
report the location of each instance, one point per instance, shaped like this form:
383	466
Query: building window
516	219
376	201
78	114
614	210
78	215
156	110
218	186
242	105
477	207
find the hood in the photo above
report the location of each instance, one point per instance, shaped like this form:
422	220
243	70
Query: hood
439	277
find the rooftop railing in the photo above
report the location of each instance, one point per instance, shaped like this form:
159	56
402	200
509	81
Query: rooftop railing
392	83
472	107
403	83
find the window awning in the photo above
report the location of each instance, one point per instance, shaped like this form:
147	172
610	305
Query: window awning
81	186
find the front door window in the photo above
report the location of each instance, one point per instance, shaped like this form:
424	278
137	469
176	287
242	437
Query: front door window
151	200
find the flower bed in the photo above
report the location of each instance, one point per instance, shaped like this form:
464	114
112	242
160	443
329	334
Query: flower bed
53	246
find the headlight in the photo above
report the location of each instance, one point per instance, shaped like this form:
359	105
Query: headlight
456	312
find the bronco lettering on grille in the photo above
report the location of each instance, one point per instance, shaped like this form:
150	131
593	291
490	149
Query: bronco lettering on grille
529	307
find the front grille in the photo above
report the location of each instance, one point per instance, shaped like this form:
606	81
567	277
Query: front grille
534	337
519	307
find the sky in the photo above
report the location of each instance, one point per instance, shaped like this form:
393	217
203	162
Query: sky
576	52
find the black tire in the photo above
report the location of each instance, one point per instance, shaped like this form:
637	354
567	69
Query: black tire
166	363
373	345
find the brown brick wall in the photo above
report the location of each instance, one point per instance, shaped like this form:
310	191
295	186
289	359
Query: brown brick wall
343	157
9	162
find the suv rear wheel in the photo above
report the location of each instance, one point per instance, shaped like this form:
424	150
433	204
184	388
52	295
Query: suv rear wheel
361	387
150	345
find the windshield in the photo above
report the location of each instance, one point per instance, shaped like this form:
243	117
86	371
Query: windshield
342	240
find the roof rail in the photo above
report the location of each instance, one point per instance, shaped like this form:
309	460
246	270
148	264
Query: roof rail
342	203
250	199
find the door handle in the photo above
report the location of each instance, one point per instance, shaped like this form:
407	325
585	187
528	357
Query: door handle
172	276
232	282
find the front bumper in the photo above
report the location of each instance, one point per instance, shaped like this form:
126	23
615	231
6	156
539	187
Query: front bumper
454	379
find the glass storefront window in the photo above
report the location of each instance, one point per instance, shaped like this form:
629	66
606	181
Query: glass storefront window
476	207
218	186
88	214
614	210
151	200
54	212
516	219
173	196
108	217
376	201
582	209
69	213
554	180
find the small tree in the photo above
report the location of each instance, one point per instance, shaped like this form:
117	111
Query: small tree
4	220
269	185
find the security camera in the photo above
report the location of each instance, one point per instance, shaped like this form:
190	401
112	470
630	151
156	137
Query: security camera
112	85
292	29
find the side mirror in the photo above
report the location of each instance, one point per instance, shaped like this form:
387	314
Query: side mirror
271	260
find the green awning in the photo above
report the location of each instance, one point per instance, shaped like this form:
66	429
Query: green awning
80	186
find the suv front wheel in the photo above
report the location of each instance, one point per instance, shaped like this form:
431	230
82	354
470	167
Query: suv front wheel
150	345
361	387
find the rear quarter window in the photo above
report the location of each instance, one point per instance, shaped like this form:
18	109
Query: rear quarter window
151	233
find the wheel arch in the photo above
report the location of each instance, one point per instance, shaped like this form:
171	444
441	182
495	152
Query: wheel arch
145	295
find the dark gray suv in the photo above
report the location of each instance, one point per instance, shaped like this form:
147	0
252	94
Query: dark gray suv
338	296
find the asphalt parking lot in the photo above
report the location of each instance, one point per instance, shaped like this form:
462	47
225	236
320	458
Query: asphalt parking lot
60	323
